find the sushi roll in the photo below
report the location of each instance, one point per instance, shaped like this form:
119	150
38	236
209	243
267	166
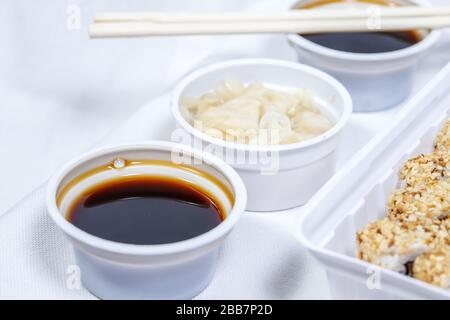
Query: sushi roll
426	169
394	244
433	267
442	142
427	201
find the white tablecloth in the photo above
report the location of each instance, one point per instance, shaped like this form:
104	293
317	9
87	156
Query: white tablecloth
61	93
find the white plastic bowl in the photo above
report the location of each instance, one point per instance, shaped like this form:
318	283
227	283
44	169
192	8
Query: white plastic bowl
112	270
302	167
375	81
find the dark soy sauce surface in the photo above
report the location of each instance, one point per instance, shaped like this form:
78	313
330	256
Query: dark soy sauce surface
145	210
365	42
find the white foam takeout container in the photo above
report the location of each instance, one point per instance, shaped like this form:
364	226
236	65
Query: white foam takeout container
376	81
113	270
358	194
302	168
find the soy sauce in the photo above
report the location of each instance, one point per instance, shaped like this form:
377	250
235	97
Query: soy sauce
361	42
146	210
365	42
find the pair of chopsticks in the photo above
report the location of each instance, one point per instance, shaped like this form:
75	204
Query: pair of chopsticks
294	21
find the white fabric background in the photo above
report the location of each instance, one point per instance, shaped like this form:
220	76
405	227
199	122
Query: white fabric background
61	93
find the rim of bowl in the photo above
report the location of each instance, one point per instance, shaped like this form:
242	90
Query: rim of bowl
338	126
419	47
149	250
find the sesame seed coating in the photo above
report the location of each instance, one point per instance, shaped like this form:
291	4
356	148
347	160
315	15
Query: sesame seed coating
442	142
430	201
434	267
425	169
391	244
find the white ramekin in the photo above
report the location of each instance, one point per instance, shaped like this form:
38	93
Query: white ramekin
375	81
112	270
302	167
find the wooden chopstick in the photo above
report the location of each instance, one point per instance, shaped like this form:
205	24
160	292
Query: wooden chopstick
312	21
196	17
99	30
